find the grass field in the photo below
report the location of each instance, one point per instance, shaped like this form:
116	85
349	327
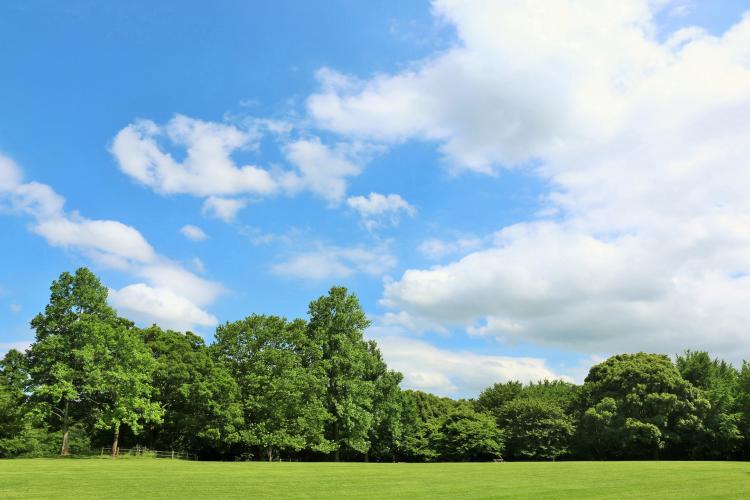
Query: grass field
151	478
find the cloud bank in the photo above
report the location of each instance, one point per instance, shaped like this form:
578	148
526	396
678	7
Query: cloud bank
642	136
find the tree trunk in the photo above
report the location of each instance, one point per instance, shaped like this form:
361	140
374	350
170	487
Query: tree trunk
337	455
64	450
114	441
367	456
270	454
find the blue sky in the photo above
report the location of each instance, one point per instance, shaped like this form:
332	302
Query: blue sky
513	192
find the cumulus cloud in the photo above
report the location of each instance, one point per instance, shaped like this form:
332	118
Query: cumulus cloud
322	169
329	262
225	209
147	304
192	232
524	79
107	241
376	208
114	245
647	159
436	249
210	168
457	373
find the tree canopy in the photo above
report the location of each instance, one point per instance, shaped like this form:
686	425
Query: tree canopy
317	388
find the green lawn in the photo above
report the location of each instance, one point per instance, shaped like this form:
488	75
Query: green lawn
151	478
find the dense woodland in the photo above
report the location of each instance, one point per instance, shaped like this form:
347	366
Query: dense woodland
268	389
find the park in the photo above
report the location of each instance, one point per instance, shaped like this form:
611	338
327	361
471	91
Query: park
393	249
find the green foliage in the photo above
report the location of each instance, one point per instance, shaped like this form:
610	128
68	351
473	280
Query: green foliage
87	364
200	396
492	399
13	403
536	428
268	387
281	381
120	386
387	431
636	405
469	435
719	383
335	329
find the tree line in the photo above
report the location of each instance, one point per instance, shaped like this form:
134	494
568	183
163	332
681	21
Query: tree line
268	388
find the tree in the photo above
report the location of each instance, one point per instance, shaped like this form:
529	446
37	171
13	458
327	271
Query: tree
536	428
562	394
282	388
13	401
120	386
336	327
492	399
386	431
636	405
201	399
86	361
719	383
467	435
60	359
421	416
743	404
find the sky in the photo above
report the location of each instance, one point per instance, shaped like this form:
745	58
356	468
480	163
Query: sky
515	190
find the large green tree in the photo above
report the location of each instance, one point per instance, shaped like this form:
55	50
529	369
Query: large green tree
119	388
492	399
386	431
719	382
13	402
200	397
536	428
636	405
86	361
282	386
336	328
421	417
467	435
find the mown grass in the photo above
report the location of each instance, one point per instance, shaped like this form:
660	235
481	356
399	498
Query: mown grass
153	478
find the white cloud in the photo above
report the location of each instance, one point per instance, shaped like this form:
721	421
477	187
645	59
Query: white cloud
404	323
525	78
647	159
110	244
106	241
210	169
457	373
10	174
15	307
330	262
436	249
321	169
146	304
225	209
168	275
376	208
192	232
